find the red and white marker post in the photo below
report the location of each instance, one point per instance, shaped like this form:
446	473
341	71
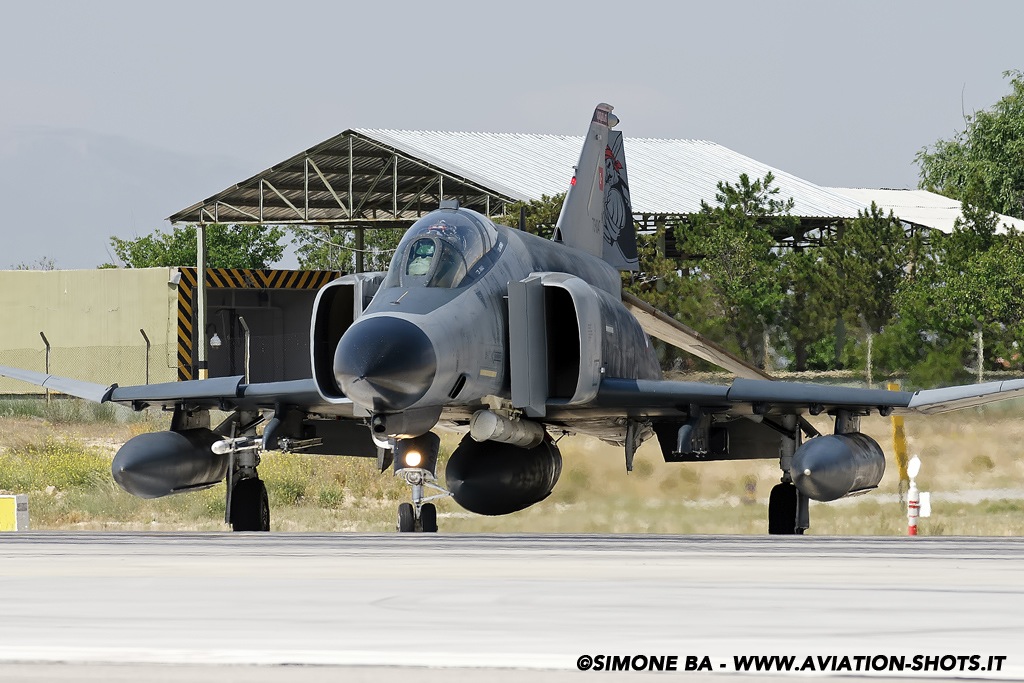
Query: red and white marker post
918	504
913	508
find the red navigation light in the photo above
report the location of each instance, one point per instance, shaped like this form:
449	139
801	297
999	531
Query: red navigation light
573	181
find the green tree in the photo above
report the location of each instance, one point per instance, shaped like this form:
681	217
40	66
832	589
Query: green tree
731	248
227	246
984	163
663	283
335	248
541	214
969	283
809	309
865	263
41	263
869	256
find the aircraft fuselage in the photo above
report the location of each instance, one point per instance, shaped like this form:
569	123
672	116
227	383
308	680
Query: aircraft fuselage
421	346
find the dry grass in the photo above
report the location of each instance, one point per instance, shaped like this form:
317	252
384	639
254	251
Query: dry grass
963	452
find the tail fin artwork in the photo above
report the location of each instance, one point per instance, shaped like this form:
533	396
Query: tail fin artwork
619	232
597	216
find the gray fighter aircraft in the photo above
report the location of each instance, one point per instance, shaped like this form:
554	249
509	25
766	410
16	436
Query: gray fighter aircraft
514	339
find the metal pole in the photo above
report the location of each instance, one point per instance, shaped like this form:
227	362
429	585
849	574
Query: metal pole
200	328
47	343
899	446
360	247
870	370
981	356
245	327
148	346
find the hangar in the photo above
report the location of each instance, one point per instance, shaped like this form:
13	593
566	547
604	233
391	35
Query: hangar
367	178
375	178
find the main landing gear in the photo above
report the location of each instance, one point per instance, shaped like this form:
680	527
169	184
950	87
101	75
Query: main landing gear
246	507
416	462
250	509
788	513
787	510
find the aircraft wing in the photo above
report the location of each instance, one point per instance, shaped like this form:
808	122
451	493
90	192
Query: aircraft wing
797	398
224	393
754	385
633	395
934	401
671	331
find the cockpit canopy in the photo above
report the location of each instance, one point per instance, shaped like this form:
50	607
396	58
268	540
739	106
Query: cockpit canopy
440	249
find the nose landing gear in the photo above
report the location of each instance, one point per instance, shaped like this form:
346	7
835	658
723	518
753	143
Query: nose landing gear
416	462
420	514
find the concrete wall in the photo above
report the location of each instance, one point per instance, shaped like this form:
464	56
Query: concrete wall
92	320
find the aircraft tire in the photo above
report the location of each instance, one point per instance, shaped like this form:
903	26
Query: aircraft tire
782	510
406	518
428	518
250	507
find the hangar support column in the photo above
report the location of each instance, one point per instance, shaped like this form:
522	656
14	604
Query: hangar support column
201	362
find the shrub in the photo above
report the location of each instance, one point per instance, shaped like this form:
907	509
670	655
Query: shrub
61	463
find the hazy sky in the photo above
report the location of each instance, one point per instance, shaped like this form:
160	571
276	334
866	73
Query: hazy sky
113	115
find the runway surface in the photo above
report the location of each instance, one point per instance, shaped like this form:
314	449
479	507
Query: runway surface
268	607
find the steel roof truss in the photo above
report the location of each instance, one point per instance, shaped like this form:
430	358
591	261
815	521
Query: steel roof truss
218	204
294	208
373	186
327	184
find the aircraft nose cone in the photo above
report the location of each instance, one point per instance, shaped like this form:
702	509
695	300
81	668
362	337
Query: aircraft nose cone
385	363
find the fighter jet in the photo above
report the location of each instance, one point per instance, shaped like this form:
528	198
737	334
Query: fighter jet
512	340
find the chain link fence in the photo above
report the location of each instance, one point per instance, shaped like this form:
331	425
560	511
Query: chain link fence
124	365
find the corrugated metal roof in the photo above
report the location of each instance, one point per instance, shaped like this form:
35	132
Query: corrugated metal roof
370	176
919	207
665	176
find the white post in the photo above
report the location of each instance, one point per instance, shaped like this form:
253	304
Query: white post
200	319
918	502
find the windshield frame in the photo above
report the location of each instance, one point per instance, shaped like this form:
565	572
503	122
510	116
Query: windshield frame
461	241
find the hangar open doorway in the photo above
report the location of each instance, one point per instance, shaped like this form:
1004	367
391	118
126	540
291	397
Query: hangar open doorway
266	311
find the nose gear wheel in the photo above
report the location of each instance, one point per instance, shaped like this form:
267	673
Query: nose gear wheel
421	513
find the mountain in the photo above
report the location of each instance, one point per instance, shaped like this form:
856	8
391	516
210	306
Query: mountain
67	191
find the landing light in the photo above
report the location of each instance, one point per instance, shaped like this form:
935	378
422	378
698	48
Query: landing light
413	458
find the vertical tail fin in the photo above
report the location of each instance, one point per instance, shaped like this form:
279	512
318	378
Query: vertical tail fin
619	231
597	216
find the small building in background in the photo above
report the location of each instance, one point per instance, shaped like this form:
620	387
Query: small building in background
136	326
